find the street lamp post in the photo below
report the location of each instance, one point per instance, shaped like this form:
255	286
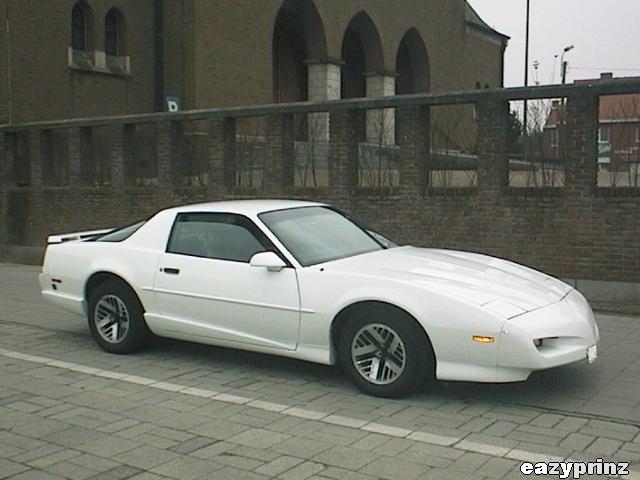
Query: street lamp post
565	64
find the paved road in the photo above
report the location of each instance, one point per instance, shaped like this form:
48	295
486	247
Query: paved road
178	410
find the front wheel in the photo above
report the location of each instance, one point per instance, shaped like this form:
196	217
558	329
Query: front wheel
385	352
116	318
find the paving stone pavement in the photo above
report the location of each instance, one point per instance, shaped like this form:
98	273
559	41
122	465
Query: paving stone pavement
184	411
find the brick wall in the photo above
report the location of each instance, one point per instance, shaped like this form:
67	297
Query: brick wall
45	87
578	231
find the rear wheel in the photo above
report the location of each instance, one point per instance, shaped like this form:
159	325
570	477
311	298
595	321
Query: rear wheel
384	351
116	318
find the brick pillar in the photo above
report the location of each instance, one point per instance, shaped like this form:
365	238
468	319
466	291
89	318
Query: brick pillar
280	155
123	136
35	157
343	151
581	148
222	151
165	153
413	138
381	123
493	166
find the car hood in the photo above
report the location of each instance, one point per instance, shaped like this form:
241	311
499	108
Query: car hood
470	276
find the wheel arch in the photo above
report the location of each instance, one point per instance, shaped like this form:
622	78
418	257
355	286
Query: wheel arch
342	317
102	276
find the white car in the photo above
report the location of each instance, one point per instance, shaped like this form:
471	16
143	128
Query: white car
306	281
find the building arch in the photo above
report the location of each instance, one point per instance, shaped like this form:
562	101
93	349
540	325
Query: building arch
82	27
412	65
362	54
298	37
115	33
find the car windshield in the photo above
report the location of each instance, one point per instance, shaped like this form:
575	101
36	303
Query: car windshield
318	234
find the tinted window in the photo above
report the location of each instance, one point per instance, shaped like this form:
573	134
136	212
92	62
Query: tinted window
122	234
219	236
317	234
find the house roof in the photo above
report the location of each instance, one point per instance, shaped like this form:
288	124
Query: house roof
620	108
474	20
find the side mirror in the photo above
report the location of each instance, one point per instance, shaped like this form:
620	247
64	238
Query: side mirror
268	260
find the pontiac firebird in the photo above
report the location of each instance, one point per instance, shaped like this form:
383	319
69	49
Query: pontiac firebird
304	280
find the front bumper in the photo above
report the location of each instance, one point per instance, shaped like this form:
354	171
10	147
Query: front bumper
569	326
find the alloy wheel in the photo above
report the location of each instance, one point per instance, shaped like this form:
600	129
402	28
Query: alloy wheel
378	354
112	319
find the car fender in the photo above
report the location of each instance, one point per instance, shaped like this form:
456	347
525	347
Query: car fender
449	322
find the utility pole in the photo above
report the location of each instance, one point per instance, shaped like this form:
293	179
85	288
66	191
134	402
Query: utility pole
9	68
526	84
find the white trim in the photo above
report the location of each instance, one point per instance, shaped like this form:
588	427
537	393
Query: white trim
601	138
619	120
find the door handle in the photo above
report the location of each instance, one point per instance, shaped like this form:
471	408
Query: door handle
171	271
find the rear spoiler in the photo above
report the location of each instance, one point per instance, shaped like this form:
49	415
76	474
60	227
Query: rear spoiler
70	237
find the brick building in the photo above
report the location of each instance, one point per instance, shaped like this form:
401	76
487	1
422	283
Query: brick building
618	136
69	58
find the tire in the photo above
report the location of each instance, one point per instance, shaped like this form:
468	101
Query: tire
385	352
129	332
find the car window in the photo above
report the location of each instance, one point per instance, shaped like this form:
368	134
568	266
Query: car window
218	236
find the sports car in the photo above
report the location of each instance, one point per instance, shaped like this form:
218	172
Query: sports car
305	280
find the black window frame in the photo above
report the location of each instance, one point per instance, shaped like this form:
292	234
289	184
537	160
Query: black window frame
247	223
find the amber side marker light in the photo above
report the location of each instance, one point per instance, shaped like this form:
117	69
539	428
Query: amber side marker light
480	339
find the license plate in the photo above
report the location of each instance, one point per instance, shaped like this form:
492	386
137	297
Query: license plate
592	354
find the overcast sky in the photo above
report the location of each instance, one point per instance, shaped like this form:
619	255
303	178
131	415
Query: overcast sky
606	35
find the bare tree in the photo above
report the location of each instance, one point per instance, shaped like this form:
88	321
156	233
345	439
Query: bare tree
378	157
453	141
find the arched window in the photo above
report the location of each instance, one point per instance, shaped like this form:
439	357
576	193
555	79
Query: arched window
81	22
114	33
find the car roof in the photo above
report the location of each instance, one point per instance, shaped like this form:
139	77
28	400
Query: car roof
246	207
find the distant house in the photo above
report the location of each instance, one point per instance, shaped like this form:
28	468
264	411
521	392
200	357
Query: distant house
618	136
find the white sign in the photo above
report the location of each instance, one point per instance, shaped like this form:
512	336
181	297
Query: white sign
173	104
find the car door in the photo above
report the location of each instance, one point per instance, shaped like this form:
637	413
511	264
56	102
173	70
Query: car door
205	286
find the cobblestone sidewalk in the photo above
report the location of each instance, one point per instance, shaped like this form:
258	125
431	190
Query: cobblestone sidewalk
181	411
